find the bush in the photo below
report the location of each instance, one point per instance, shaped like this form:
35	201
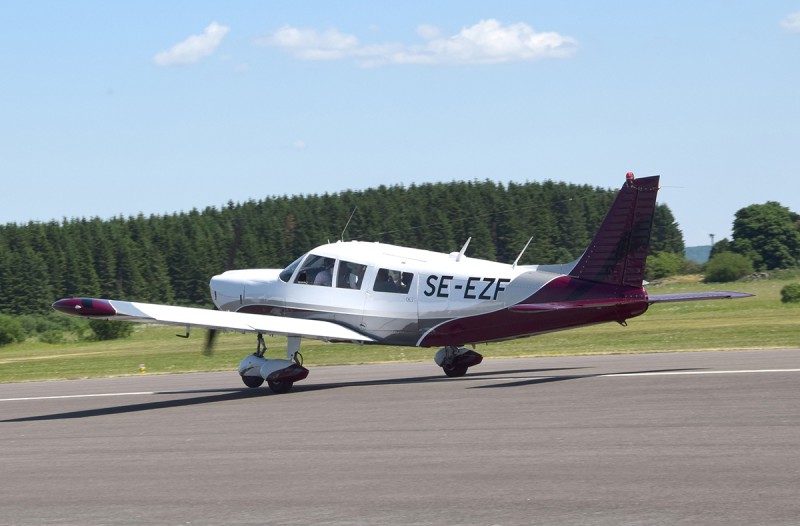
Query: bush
727	266
110	330
663	264
791	293
52	337
10	330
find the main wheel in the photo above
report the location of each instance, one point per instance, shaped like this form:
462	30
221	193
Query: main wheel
252	381
280	387
455	371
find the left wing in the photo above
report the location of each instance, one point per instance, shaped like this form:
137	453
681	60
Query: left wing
206	318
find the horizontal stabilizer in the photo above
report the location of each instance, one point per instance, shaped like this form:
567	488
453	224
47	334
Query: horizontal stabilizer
696	296
574	304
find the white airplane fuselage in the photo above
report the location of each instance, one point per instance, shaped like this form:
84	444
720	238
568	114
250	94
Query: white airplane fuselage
436	288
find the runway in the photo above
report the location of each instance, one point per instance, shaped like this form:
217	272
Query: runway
684	438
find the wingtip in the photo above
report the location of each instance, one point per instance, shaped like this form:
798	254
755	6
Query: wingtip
85	307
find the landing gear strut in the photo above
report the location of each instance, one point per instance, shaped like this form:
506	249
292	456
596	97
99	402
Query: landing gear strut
279	374
455	361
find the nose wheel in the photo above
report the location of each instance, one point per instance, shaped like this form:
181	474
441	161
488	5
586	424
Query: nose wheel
252	381
455	361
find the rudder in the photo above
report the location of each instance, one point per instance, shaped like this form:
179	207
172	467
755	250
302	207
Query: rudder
618	252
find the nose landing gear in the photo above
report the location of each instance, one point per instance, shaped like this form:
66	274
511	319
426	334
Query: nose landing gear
455	361
279	374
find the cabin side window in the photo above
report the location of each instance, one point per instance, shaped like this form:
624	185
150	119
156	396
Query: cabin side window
388	280
317	270
350	275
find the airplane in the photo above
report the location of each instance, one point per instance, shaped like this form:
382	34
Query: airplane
376	293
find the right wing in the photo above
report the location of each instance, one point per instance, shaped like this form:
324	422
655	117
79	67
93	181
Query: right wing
206	318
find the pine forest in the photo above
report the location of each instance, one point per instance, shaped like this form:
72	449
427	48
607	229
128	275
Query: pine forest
169	259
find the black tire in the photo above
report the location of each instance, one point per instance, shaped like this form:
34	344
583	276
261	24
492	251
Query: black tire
280	387
252	381
455	371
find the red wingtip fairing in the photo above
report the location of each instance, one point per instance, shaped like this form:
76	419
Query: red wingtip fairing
85	307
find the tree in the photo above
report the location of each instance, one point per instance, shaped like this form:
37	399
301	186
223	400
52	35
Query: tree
727	266
666	236
663	264
767	234
10	330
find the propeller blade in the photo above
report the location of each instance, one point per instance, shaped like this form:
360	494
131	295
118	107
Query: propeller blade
211	337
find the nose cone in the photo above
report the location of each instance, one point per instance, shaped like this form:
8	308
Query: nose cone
85	307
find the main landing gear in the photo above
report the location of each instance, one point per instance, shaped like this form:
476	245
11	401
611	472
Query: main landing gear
279	374
455	361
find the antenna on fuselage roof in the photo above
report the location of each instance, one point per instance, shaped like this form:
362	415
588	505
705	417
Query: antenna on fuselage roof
463	249
523	251
348	222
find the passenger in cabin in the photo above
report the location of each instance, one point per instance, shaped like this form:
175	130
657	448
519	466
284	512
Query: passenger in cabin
350	275
325	276
393	281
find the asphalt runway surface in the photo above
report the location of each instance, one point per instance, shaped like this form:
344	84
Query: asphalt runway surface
686	438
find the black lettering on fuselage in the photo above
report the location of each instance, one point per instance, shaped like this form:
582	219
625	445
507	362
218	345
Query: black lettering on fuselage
483	295
470	287
440	287
501	286
442	292
431	283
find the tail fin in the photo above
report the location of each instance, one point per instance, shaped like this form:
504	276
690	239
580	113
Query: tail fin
618	251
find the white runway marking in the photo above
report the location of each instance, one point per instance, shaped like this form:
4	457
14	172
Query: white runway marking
467	378
678	373
95	395
132	393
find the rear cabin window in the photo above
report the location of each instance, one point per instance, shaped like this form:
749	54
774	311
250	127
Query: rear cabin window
395	281
350	275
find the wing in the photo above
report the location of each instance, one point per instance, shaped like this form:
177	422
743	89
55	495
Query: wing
206	318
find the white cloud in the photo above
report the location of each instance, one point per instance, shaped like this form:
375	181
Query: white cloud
309	44
791	22
487	42
428	32
193	48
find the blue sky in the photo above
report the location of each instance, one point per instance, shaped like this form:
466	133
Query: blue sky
117	108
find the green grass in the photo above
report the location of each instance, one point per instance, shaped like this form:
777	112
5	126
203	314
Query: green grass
751	323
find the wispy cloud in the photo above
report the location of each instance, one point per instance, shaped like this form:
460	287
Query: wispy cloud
487	42
193	48
791	22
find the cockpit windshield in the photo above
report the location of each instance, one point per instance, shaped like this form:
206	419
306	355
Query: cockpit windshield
286	274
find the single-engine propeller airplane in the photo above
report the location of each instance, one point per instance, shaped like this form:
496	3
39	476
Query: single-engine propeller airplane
375	293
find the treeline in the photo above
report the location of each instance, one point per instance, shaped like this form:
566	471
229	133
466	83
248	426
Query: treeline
765	237
171	258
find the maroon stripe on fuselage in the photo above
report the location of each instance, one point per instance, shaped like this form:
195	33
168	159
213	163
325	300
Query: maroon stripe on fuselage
505	324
